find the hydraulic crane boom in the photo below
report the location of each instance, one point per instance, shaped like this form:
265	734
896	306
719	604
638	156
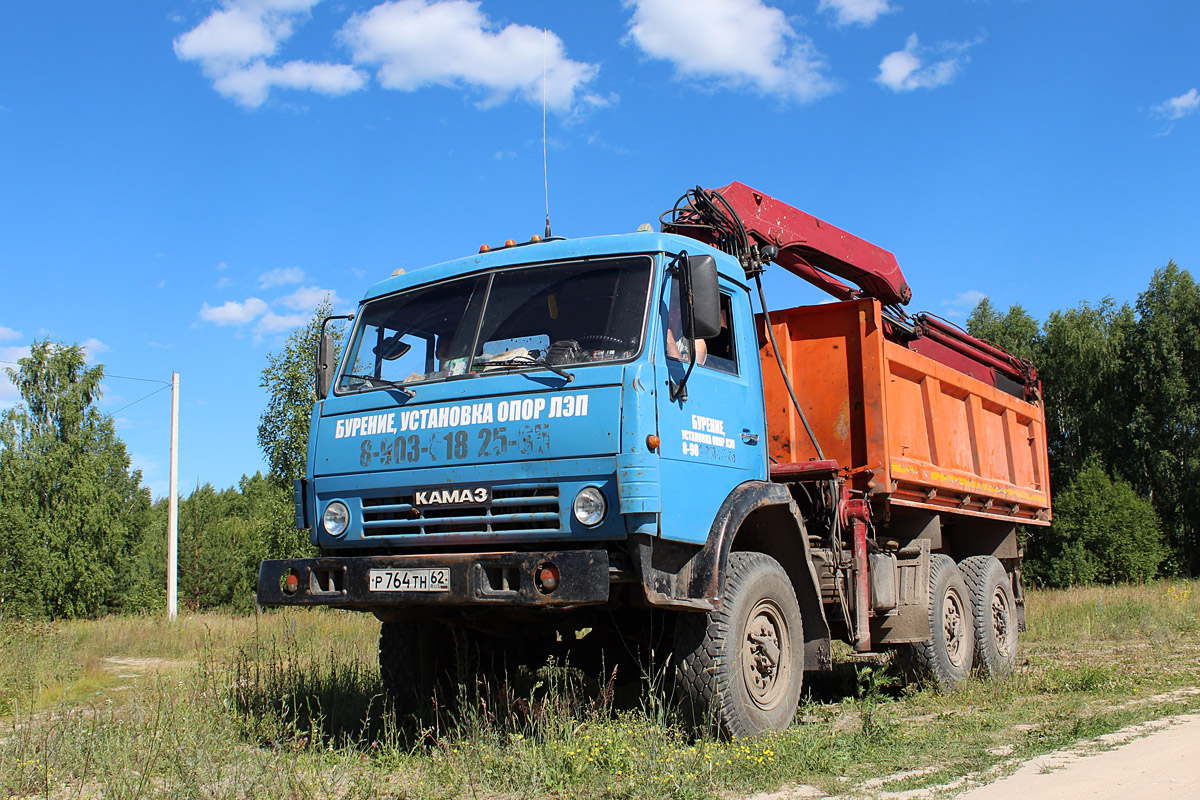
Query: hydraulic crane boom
757	228
816	250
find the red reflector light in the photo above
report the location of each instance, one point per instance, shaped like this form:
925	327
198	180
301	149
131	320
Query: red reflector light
547	578
291	584
652	442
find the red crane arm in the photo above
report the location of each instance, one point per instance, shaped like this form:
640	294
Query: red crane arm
816	250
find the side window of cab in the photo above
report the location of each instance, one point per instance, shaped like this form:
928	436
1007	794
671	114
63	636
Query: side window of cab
718	353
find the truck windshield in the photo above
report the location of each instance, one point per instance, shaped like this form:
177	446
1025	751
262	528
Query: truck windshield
570	314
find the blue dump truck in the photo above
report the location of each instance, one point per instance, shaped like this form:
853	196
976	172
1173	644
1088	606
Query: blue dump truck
561	443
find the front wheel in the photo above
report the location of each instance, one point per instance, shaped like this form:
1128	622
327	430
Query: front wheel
410	665
742	668
944	660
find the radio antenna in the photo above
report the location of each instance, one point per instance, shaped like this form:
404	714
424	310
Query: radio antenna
545	163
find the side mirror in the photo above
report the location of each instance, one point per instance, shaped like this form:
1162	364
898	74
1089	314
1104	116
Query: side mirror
706	296
700	306
325	365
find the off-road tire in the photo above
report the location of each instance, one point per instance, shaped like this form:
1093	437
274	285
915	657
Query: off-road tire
728	679
944	660
995	616
409	665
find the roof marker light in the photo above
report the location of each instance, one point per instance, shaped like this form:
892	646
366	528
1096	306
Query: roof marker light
483	248
509	242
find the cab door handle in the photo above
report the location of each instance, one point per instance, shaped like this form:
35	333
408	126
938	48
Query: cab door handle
748	437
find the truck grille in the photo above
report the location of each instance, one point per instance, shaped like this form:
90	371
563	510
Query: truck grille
514	509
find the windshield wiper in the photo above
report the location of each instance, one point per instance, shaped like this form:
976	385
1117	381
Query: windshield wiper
530	361
371	379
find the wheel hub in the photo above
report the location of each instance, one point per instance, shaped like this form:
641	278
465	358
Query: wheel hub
954	621
764	655
1001	623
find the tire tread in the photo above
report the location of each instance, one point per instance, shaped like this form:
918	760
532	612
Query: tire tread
980	572
707	695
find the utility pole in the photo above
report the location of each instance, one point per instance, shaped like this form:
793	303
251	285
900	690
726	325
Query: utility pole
173	506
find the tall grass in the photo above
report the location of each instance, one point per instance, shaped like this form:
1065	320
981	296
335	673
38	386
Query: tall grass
1145	613
290	705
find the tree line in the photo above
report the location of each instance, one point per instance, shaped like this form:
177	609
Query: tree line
1121	386
80	534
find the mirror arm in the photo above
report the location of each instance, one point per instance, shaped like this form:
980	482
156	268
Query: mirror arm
683	272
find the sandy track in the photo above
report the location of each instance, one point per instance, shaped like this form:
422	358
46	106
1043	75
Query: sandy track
1162	764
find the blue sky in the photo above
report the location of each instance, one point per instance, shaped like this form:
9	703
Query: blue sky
181	181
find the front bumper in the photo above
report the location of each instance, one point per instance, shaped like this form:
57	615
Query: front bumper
476	579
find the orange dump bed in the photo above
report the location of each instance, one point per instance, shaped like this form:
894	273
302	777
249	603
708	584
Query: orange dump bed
912	431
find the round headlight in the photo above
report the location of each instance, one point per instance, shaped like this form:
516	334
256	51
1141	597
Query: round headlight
336	518
590	506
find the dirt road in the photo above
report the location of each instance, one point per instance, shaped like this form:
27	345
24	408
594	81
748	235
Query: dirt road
1157	760
1162	764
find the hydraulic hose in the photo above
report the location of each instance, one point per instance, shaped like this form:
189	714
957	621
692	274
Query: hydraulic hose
762	299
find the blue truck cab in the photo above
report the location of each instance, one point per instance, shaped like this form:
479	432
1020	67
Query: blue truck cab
527	440
521	400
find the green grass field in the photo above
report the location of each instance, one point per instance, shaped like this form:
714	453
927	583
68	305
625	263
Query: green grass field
288	705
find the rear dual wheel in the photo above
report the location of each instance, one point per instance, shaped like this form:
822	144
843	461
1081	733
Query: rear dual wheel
995	616
972	624
945	659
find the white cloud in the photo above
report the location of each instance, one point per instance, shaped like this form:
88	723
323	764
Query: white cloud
92	348
280	276
277	323
862	12
1180	107
738	43
224	283
963	303
306	298
8	333
905	70
232	45
418	43
251	85
233	312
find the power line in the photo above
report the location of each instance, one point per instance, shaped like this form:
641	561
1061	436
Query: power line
140	399
147	380
109	375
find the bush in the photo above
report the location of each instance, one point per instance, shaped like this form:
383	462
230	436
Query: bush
1103	532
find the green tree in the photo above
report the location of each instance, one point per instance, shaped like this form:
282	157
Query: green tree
71	506
1015	330
290	381
1162	375
219	550
1082	367
1103	532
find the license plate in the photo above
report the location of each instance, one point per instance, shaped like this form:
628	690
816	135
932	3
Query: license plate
409	580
